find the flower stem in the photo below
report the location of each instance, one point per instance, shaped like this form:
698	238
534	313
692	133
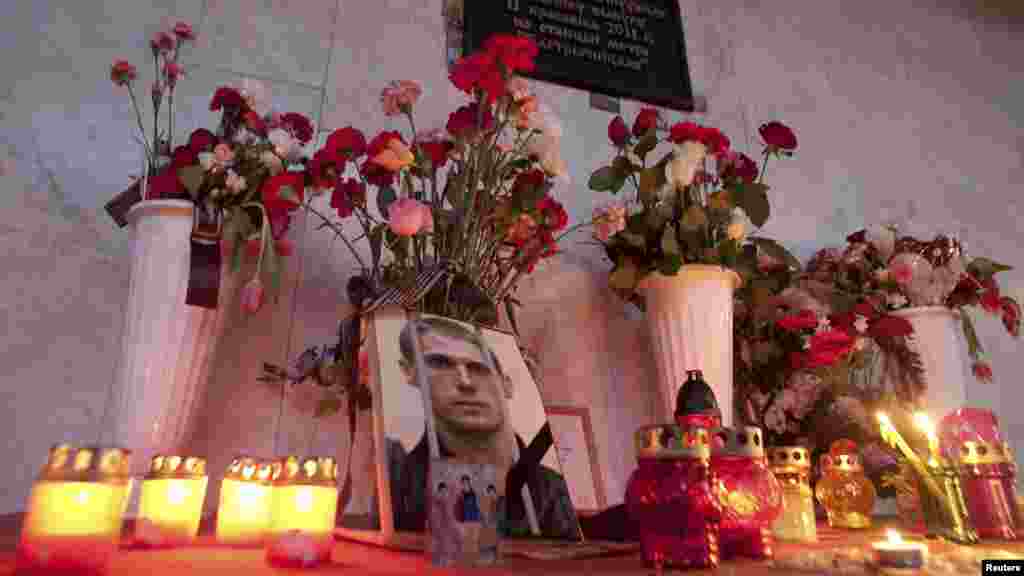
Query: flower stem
332	226
138	117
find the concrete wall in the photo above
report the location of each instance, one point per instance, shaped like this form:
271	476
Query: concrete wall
908	109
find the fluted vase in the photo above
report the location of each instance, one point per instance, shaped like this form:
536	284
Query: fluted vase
690	320
167	346
938	339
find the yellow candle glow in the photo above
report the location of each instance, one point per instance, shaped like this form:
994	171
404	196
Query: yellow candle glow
304	511
74	512
171	501
243	514
895	552
925	425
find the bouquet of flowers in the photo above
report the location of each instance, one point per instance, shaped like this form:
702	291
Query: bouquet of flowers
250	171
698	203
474	197
895	272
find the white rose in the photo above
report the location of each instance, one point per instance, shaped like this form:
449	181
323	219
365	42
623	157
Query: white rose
284	143
687	158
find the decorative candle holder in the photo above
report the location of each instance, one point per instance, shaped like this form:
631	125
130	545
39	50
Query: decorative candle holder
844	490
988	473
671	498
748	491
303	513
696	405
896	554
171	501
243	513
792	468
946	515
73	519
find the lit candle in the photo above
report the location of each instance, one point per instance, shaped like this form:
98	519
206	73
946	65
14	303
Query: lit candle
896	553
892	436
925	424
304	512
243	514
171	501
73	518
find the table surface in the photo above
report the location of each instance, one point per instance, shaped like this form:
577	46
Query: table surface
205	557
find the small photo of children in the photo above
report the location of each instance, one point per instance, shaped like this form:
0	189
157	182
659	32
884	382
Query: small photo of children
464	514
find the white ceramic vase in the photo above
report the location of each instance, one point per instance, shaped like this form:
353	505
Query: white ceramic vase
167	346
938	339
690	320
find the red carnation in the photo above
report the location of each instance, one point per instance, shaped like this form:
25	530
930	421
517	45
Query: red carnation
803	320
202	140
618	132
740	167
553	215
717	143
778	137
463	122
323	169
172	72
183	30
517	53
226	97
481	72
1011	315
183	156
374	173
272	190
646	121
437	151
298	126
122	72
685	132
254	123
165	185
982	371
990	297
890	327
347	142
347	195
162	42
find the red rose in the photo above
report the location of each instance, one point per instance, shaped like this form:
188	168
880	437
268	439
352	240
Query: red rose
202	140
618	132
1011	315
373	173
347	195
183	30
553	215
226	97
803	320
516	53
347	142
982	371
122	72
463	122
272	189
741	167
778	137
646	121
183	156
685	132
298	126
254	123
437	151
716	142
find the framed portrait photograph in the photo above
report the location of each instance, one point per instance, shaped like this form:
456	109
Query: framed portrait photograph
574	440
484	408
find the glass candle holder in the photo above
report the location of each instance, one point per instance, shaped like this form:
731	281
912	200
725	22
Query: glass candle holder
73	518
844	490
171	501
945	514
792	468
748	491
303	512
671	498
243	513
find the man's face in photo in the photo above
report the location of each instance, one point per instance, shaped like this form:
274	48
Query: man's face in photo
467	395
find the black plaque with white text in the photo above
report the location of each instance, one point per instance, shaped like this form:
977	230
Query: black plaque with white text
632	49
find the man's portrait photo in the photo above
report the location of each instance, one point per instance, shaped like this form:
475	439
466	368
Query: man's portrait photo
486	408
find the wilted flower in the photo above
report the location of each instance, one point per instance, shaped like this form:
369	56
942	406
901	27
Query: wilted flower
252	296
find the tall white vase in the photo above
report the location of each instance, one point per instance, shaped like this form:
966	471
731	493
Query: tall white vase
167	346
690	321
938	339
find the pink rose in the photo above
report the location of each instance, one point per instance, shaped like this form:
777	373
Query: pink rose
608	221
407	217
252	296
224	154
399	96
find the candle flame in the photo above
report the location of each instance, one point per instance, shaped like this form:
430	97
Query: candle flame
893	536
883	419
924	423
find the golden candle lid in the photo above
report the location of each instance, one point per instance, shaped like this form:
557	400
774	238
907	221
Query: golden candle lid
250	469
67	463
312	471
164	466
841	463
671	441
972	453
747	441
789	459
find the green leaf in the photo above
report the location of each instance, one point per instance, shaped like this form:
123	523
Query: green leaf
625	276
984	269
646	143
669	242
327	406
607	179
407	185
651	180
973	344
385	196
775	250
753	199
191	177
670	264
